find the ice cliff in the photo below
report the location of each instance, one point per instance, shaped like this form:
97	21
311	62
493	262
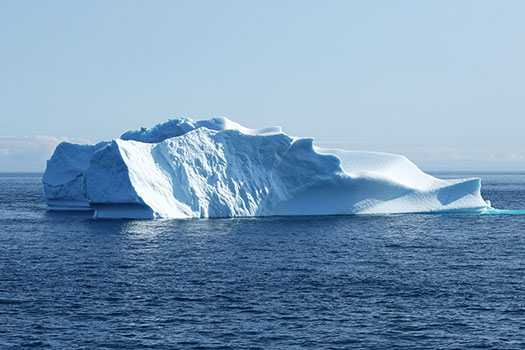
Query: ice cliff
218	168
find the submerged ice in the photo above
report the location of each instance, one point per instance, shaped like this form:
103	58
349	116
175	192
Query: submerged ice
218	168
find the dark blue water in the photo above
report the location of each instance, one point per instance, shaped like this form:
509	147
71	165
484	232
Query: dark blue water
398	281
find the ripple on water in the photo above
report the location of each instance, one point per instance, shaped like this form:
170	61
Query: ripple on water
427	281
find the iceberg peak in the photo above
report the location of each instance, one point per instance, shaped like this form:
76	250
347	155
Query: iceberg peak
181	126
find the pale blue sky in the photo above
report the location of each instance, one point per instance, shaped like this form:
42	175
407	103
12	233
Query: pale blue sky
440	81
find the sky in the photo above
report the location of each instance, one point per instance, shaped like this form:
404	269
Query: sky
442	82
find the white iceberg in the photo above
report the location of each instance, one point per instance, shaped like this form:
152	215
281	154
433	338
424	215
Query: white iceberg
218	168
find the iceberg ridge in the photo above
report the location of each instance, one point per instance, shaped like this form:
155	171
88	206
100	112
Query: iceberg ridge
218	168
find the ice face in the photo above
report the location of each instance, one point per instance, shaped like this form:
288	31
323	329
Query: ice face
64	181
218	168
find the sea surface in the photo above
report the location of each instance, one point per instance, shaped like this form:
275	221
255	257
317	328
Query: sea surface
333	282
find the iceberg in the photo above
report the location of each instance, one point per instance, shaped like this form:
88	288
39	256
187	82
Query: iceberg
218	168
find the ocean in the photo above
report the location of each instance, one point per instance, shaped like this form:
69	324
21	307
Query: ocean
315	282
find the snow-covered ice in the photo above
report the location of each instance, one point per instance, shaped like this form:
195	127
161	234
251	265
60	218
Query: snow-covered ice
218	168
